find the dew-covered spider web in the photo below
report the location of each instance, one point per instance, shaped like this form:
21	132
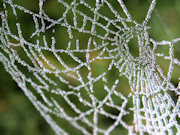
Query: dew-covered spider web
90	68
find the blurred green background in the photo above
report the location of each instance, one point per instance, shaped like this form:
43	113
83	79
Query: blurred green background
19	117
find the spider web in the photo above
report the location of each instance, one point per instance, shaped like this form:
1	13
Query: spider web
73	64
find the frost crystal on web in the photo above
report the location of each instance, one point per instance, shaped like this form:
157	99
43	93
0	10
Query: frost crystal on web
72	64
